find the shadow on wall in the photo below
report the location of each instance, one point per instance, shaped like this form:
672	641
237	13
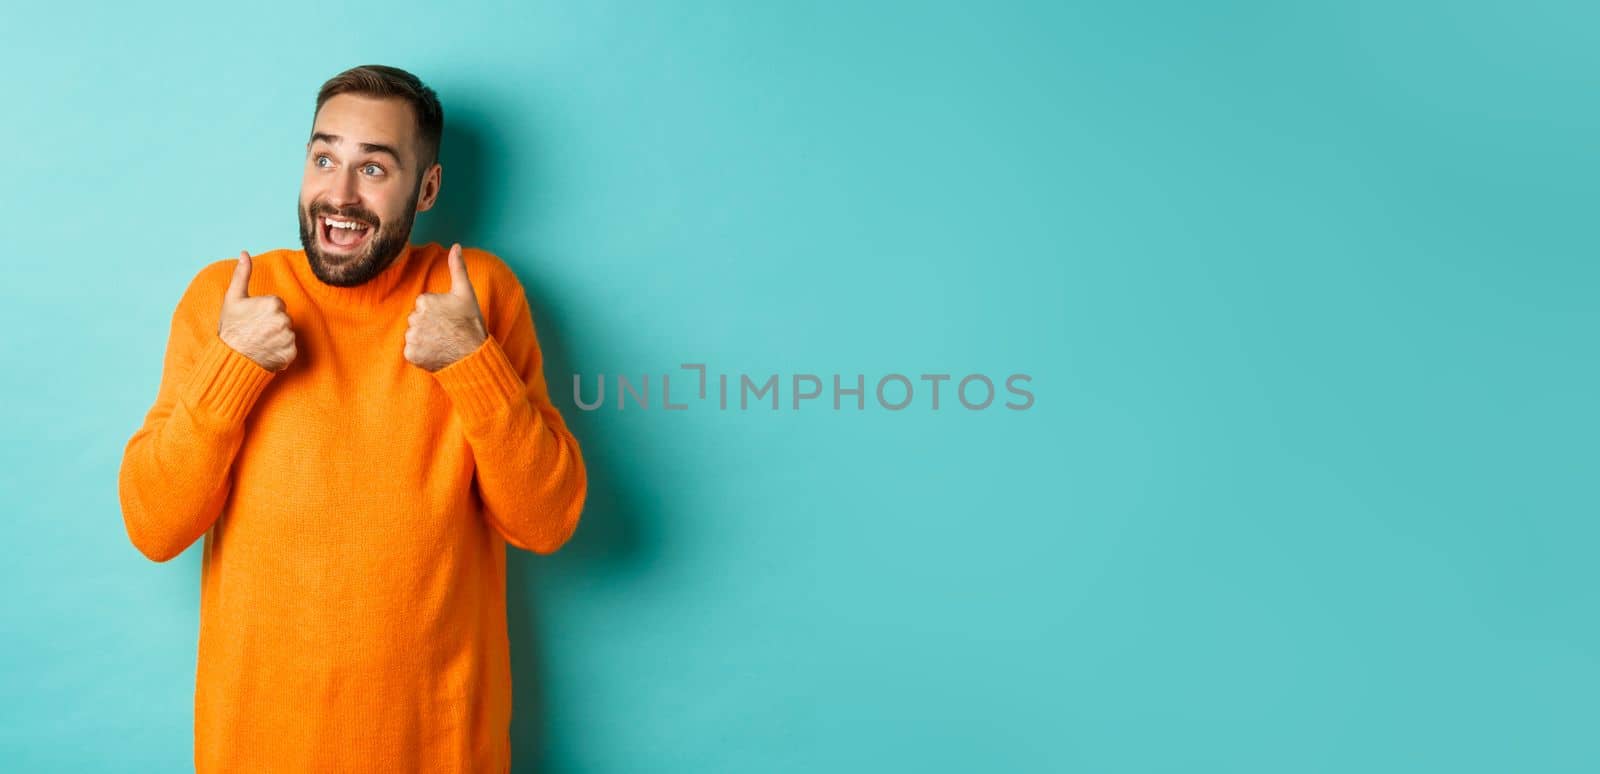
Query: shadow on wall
607	539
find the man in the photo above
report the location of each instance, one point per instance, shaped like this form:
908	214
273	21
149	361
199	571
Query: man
357	428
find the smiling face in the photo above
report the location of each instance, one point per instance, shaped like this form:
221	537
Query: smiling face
362	187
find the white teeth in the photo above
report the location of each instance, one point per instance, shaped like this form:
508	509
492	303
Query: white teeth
342	223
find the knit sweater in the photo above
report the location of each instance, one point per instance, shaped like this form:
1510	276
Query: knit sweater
355	509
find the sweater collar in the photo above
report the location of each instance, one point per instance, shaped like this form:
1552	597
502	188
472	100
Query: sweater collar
373	292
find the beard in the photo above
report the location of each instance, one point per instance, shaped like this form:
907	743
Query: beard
383	244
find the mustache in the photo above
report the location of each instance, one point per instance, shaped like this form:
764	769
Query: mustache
356	214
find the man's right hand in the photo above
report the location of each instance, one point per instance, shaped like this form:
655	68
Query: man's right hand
256	327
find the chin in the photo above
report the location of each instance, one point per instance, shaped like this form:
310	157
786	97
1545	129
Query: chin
374	248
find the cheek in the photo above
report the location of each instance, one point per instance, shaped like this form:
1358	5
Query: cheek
388	211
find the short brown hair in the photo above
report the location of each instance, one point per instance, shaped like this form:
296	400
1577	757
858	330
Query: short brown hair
385	81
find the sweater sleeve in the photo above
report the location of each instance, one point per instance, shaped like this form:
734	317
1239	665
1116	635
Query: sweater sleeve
175	472
530	472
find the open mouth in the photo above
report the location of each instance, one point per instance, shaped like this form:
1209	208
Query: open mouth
342	234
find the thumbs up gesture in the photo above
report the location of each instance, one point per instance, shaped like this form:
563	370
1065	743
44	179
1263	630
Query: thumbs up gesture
446	327
256	327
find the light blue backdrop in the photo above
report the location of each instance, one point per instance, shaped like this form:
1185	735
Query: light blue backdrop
1307	295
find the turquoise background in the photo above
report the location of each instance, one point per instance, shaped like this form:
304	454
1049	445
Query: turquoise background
1307	293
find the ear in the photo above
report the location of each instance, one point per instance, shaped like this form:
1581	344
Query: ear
431	180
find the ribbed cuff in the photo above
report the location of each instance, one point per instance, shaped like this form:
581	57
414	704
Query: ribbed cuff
483	383
223	383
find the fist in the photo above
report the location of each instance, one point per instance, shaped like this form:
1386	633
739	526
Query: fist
256	327
445	327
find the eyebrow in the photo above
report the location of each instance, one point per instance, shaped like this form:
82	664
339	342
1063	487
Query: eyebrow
366	147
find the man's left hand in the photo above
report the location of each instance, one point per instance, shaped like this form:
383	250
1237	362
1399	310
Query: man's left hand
446	327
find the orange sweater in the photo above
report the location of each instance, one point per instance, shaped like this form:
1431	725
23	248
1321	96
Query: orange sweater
355	509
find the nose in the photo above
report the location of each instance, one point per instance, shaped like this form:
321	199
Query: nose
343	193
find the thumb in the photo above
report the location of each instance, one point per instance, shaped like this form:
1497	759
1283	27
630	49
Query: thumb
241	278
460	283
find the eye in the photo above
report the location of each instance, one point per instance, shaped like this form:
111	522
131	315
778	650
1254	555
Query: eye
321	158
374	166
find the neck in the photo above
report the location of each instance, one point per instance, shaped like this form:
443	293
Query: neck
373	292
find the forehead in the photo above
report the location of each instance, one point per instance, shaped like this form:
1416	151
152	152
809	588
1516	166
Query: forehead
359	118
